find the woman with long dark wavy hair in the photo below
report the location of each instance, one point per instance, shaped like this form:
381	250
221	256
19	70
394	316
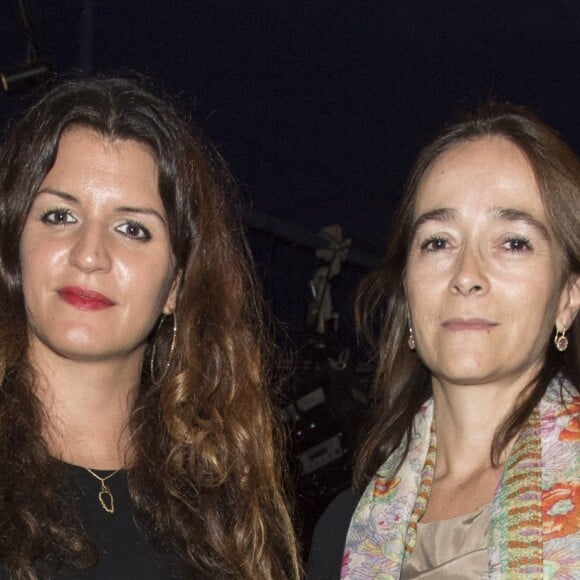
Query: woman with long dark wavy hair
136	438
471	468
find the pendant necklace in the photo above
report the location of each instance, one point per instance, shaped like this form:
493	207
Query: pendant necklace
105	496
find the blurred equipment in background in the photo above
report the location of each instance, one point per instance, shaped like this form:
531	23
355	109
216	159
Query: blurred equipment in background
34	70
25	76
327	396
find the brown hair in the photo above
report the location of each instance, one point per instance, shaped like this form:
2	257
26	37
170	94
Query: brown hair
402	384
205	474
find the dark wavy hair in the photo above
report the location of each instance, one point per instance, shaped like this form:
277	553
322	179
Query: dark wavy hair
204	471
402	383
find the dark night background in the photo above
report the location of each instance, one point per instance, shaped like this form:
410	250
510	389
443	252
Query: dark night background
318	106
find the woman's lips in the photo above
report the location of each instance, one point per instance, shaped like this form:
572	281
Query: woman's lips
84	299
462	324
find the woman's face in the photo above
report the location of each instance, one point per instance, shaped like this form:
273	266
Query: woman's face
485	276
97	265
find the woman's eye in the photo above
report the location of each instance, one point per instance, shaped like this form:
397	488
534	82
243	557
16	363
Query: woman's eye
517	244
434	244
58	217
134	231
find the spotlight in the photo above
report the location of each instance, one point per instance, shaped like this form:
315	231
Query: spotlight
25	76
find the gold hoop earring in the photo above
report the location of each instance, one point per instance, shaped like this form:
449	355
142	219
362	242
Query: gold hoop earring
560	340
411	340
158	380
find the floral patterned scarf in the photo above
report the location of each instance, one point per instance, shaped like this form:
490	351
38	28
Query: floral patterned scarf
534	528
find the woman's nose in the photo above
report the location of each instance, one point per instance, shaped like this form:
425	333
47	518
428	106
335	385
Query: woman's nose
89	252
469	276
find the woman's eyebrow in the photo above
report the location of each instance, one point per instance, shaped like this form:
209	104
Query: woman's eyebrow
516	215
442	214
141	210
63	195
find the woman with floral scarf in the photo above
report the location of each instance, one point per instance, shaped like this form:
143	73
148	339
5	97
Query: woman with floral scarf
472	466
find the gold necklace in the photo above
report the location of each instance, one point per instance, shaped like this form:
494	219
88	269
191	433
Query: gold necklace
105	496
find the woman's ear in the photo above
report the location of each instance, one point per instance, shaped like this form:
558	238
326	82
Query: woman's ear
171	301
569	303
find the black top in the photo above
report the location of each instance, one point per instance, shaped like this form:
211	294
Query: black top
329	537
124	552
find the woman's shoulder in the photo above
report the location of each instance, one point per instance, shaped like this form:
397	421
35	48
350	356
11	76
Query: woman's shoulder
329	537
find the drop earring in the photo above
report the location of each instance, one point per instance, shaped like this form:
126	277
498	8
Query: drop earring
560	340
411	340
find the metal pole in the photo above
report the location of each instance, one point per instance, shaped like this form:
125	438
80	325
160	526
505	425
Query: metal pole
87	39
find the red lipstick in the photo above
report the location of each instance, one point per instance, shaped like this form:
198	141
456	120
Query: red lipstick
84	299
467	324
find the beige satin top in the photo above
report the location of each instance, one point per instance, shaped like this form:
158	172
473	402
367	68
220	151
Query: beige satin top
454	549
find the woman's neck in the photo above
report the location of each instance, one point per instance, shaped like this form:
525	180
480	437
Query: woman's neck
467	419
88	405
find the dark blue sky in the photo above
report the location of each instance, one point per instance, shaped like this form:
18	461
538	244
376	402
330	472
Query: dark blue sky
320	106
